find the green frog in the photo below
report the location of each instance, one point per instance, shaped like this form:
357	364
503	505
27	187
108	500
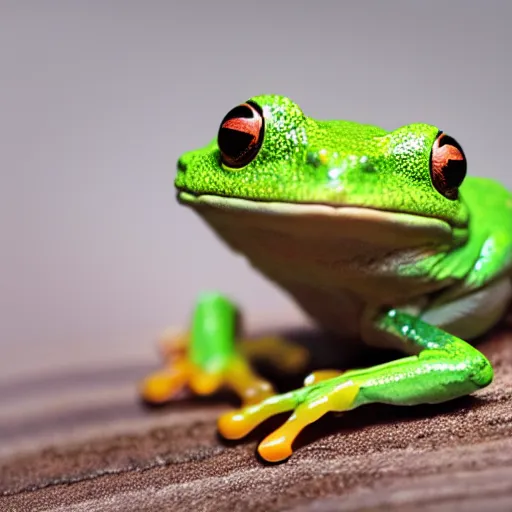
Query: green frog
378	235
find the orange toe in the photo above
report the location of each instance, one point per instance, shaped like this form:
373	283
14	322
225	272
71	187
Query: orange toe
161	386
234	425
256	392
275	448
205	383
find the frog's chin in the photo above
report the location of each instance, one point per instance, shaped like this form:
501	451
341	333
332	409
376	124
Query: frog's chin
309	221
330	257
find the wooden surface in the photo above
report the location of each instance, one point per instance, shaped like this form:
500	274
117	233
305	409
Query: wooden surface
82	442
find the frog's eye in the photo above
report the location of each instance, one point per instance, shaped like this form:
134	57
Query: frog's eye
447	165
241	135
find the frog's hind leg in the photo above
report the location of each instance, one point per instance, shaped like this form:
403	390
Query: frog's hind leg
444	368
209	357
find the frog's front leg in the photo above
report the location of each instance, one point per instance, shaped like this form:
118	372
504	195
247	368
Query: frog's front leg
209	357
446	367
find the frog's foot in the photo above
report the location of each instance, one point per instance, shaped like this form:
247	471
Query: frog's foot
235	374
325	391
445	368
207	358
280	352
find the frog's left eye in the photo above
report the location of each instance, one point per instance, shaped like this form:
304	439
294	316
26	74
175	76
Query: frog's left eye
241	135
447	165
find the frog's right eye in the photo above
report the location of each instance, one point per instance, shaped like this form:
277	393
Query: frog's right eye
447	165
241	135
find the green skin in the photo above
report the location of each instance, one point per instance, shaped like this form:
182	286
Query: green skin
445	252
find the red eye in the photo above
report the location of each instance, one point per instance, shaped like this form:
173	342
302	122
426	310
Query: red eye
447	165
241	135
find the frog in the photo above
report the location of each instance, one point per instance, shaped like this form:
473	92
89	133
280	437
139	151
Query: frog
378	235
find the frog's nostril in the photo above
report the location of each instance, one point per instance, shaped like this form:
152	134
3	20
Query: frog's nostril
182	166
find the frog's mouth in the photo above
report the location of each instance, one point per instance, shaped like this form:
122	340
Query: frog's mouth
314	221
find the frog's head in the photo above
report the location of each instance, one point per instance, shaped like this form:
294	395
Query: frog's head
268	151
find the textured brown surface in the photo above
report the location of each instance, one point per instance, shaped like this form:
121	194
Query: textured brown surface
83	443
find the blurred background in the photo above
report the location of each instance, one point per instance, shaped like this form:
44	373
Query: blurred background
98	100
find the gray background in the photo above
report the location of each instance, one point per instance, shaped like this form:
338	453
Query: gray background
98	99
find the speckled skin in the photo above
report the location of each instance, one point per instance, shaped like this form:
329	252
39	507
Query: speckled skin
338	162
350	221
